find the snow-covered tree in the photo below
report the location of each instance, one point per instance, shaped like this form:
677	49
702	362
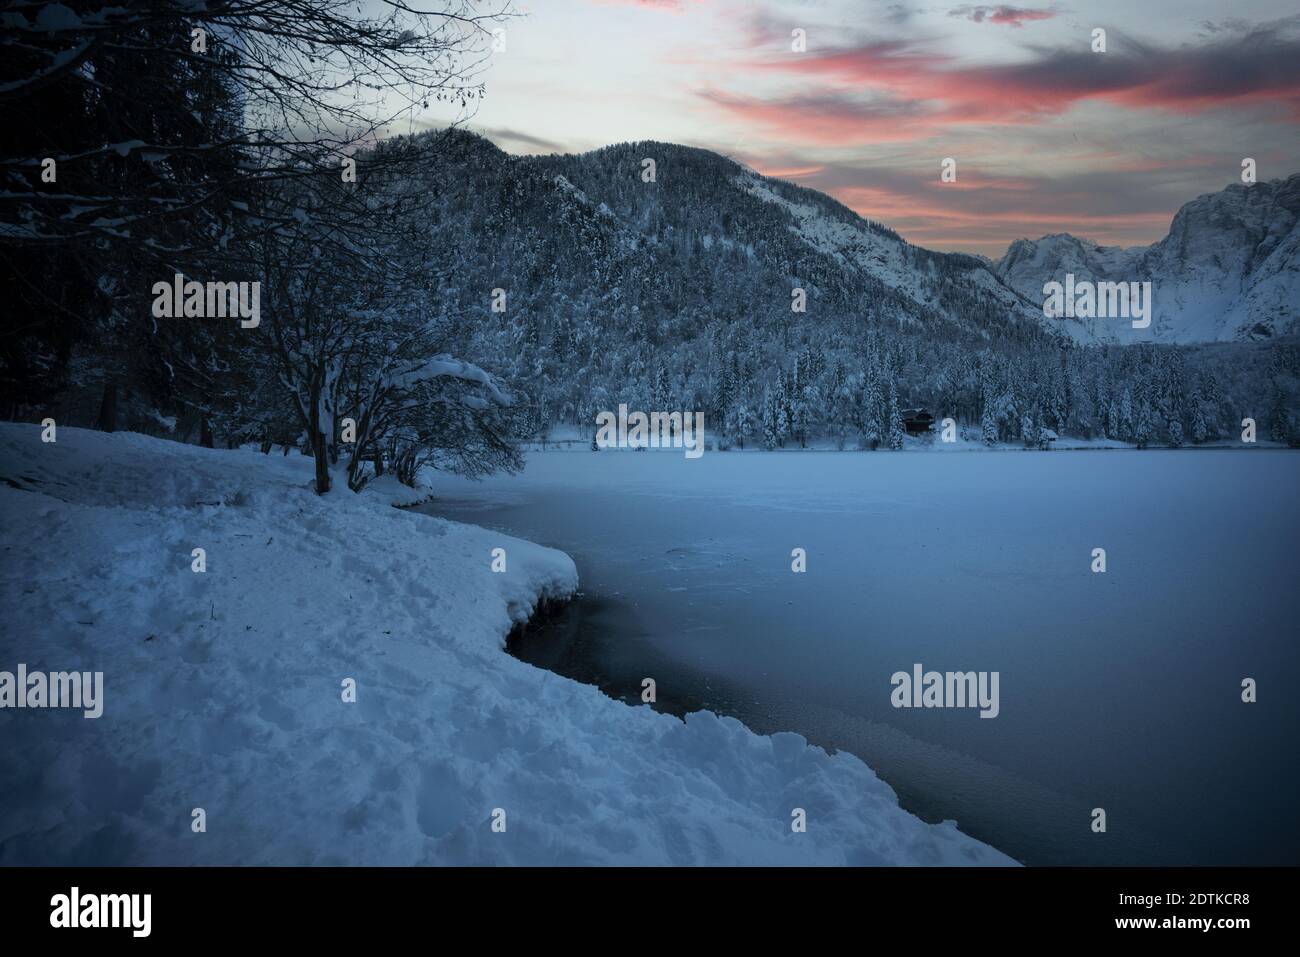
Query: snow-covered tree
740	425
724	398
772	430
1142	428
988	424
872	435
1200	432
1126	426
896	432
356	334
659	390
799	413
781	400
1279	419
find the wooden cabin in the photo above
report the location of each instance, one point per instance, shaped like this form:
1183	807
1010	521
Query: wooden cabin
917	421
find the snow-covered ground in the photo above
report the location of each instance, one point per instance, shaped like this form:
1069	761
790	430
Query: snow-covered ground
223	691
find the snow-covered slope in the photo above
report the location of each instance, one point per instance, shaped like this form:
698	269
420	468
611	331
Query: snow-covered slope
710	242
710	247
915	273
593	250
1229	269
222	691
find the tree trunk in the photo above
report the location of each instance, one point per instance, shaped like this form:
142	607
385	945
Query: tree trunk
320	449
321	453
108	409
354	471
205	433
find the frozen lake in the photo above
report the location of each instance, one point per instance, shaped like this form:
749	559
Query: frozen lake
1119	690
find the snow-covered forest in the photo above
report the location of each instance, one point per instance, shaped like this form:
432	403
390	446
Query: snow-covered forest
441	300
677	294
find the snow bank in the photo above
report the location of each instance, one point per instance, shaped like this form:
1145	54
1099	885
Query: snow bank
222	691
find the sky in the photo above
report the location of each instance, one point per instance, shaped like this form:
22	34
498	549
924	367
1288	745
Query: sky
1048	136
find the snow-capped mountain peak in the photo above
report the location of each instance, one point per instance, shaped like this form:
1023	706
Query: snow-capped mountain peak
1229	269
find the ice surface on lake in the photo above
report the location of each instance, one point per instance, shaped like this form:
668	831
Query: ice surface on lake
1118	690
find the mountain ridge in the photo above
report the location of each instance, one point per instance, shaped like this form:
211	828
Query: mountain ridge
1228	269
777	310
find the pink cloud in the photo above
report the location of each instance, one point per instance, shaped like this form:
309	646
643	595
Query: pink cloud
828	120
1259	69
785	172
1008	16
935	217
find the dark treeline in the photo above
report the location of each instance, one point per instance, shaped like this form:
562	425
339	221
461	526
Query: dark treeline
237	143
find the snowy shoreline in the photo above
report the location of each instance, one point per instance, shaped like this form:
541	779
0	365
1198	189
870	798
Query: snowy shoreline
222	691
570	438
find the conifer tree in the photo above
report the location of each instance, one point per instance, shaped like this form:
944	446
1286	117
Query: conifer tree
1199	430
1142	428
896	432
988	424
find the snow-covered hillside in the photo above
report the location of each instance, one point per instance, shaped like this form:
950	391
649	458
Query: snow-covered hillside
1229	269
916	274
222	691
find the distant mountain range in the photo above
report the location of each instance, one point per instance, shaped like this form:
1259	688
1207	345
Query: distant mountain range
730	244
1229	269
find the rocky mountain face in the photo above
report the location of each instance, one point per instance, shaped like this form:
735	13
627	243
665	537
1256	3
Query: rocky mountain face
1229	270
